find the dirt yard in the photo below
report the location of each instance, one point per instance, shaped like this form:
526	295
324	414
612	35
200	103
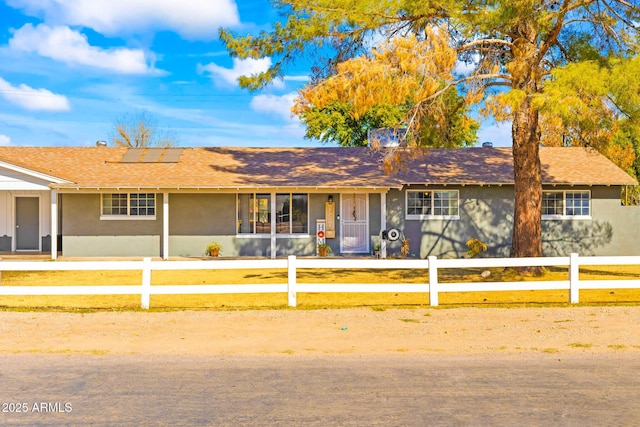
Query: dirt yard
359	331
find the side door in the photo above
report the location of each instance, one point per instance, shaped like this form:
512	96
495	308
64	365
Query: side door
27	224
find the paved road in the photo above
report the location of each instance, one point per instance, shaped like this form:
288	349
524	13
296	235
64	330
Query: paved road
389	391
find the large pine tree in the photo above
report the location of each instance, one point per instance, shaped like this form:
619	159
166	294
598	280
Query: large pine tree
513	49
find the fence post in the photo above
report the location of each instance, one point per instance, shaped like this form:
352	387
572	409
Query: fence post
574	281
433	281
291	282
146	282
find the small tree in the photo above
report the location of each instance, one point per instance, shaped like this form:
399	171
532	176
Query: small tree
141	130
331	117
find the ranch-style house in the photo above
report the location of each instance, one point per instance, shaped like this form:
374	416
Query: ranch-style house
271	202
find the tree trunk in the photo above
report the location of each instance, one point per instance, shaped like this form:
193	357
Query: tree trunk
527	223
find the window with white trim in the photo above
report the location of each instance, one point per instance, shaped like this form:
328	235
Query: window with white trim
291	213
128	205
566	204
432	204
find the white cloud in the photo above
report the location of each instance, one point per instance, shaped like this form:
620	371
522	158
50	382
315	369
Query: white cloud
69	46
497	133
4	140
241	67
464	68
468	66
279	106
33	99
192	19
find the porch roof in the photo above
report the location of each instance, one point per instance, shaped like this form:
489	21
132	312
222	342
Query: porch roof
334	168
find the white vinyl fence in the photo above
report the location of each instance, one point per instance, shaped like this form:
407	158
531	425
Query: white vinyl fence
430	267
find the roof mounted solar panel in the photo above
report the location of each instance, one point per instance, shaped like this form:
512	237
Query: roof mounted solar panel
152	155
132	155
171	155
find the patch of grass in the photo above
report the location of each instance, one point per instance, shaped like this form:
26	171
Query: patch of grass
551	350
617	346
580	345
410	320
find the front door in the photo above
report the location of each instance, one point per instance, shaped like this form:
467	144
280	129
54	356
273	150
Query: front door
354	219
27	223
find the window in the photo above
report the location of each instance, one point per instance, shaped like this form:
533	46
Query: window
566	204
430	204
114	204
552	203
291	210
445	203
129	205
255	215
419	203
260	213
578	203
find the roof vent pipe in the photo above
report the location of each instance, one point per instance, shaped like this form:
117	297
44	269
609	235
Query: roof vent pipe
487	144
101	143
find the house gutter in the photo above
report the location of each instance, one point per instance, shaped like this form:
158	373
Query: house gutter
226	189
500	184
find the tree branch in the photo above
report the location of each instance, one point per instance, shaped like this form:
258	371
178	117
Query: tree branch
555	31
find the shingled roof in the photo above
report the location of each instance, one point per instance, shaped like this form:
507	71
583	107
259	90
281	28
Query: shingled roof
237	168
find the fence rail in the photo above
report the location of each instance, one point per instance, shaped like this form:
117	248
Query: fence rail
431	265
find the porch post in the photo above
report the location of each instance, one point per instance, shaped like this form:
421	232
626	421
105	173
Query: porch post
54	224
383	224
273	225
165	225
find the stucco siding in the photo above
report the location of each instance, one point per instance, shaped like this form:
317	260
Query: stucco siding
85	234
606	233
626	225
485	213
375	200
296	246
117	246
249	246
81	217
195	220
202	214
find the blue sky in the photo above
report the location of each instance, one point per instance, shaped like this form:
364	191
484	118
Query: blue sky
69	69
